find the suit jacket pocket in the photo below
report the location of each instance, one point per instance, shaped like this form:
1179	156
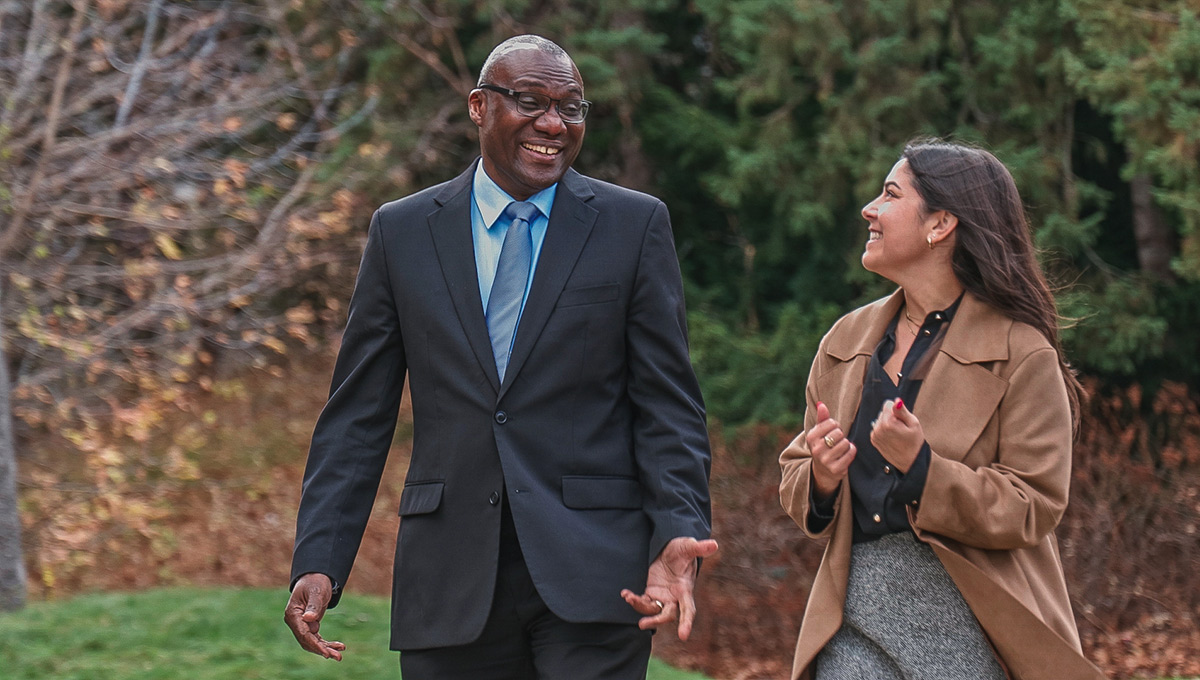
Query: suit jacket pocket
420	498
593	492
589	295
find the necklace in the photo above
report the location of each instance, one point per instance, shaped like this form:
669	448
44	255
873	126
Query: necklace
912	324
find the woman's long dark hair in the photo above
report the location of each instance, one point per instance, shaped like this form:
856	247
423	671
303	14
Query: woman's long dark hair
993	256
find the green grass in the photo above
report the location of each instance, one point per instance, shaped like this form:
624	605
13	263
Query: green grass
199	635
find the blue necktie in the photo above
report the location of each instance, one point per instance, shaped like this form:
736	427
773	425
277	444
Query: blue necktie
508	288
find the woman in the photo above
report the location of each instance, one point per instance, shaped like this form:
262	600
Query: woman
936	454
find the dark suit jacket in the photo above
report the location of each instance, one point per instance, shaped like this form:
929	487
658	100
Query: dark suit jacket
598	430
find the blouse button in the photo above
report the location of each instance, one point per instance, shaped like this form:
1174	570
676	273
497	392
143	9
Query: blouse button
927	332
914	504
887	469
877	519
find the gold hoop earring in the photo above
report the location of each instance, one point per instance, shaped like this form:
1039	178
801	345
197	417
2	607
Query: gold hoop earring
929	240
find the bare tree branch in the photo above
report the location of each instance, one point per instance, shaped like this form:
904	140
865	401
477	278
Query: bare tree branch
13	231
140	66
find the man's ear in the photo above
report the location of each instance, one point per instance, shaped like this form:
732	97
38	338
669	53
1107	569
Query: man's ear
476	106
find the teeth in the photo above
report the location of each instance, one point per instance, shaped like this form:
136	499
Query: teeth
541	149
874	236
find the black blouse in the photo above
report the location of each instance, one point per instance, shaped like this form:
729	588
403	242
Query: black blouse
880	494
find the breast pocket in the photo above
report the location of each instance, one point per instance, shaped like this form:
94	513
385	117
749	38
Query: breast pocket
589	295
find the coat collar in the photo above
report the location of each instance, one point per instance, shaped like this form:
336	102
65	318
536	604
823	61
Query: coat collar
961	387
979	333
571	221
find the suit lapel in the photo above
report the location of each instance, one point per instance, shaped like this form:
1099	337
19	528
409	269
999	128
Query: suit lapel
450	227
571	221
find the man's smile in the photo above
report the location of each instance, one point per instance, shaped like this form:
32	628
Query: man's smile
538	148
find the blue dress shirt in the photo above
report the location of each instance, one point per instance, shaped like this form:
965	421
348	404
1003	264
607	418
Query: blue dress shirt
488	228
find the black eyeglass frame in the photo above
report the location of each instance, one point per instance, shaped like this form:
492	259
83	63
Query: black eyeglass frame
584	104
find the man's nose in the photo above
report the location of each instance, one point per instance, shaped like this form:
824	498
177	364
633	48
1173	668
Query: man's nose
550	122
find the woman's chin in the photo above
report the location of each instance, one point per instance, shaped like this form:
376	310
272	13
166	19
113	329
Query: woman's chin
869	261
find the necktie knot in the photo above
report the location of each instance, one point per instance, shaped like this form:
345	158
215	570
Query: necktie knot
521	210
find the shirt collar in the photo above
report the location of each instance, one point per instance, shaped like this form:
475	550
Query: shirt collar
940	316
492	200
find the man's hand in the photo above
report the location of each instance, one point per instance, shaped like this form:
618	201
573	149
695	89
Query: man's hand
303	615
669	585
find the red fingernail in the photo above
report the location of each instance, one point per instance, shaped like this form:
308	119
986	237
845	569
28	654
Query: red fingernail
899	404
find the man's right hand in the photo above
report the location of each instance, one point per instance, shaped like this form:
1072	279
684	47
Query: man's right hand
830	463
303	615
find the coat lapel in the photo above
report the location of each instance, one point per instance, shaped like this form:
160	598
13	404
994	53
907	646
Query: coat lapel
852	343
450	227
960	388
571	221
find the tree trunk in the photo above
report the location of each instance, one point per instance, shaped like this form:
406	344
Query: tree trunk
1154	240
12	562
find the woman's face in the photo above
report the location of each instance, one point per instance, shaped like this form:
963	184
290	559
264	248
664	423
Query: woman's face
897	225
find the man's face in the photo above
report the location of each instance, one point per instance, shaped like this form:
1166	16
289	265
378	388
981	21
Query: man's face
522	154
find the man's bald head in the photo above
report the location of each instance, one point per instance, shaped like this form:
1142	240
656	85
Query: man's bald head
520	42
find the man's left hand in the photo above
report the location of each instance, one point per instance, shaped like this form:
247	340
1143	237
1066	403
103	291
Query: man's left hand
669	585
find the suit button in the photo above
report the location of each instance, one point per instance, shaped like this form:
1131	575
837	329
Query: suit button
877	519
494	498
914	504
501	417
887	469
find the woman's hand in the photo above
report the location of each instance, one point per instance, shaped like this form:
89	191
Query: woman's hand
897	434
831	453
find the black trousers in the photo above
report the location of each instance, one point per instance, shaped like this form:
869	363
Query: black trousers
524	640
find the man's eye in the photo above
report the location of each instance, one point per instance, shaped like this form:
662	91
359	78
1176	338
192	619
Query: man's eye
570	107
529	101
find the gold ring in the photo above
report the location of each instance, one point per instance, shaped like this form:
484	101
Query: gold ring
661	606
829	442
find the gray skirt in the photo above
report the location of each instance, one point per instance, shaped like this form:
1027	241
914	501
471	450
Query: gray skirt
905	619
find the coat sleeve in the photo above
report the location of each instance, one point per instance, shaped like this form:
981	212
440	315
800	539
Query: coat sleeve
354	431
795	463
670	436
1017	499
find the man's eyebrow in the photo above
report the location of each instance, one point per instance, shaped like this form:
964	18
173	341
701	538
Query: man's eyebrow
522	82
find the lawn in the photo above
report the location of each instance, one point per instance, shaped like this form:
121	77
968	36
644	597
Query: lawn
199	635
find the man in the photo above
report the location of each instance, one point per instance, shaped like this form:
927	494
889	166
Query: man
558	486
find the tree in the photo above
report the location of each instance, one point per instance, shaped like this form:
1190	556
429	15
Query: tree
1139	65
156	166
12	566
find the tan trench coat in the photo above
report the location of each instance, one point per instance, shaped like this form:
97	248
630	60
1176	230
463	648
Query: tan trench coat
996	416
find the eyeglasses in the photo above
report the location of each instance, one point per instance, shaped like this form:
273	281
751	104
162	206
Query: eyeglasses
533	104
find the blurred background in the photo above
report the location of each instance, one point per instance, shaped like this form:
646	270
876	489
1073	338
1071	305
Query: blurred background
185	188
